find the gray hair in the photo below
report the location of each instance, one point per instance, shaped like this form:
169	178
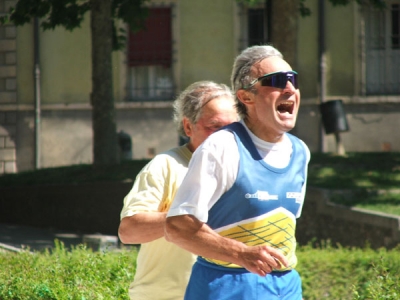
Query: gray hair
241	72
190	102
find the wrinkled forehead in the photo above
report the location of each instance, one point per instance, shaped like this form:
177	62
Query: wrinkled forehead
269	65
218	106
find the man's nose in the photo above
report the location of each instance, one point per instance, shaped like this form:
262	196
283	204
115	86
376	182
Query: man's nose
289	88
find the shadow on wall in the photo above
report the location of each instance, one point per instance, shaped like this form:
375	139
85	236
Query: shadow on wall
95	208
15	150
85	208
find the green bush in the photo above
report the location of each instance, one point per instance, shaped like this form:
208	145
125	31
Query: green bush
60	274
349	273
327	272
384	284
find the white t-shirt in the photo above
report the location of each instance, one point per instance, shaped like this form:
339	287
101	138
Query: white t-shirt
214	167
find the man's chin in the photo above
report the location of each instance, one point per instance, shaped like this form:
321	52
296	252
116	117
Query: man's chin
287	126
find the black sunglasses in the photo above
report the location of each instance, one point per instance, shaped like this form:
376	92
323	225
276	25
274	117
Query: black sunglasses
276	79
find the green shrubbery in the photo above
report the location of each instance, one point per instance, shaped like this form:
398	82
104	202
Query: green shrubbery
327	273
76	274
349	273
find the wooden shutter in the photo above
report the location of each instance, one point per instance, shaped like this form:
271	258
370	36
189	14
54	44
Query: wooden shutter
153	44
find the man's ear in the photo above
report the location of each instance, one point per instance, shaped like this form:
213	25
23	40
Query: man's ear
187	126
244	96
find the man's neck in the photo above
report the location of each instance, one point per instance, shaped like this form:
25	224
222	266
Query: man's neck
266	135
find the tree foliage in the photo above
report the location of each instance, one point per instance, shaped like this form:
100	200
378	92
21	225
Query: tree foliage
70	14
304	10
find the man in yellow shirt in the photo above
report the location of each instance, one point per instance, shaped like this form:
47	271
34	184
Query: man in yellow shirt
163	269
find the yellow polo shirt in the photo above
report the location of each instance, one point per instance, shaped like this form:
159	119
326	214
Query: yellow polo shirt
163	269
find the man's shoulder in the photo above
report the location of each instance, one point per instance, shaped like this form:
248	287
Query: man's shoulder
163	163
292	137
302	144
218	140
179	155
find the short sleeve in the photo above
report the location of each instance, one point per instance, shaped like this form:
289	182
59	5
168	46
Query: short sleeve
146	193
212	171
156	184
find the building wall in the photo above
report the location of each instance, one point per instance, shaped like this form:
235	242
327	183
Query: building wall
371	119
307	55
341	42
8	94
206	38
65	66
372	128
148	138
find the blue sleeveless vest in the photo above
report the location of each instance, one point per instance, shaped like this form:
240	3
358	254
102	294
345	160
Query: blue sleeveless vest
261	206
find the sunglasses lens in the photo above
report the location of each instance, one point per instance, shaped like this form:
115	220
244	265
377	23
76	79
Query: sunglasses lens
279	80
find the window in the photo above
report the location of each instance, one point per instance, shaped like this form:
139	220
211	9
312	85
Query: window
256	25
382	39
395	22
150	59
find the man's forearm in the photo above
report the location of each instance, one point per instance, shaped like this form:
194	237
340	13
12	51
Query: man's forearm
195	236
189	233
142	227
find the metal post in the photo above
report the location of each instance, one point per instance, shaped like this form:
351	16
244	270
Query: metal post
322	64
37	94
339	145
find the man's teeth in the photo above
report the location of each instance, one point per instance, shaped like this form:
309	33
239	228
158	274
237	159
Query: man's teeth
286	106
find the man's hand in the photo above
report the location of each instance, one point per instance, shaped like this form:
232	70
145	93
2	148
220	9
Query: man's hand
262	260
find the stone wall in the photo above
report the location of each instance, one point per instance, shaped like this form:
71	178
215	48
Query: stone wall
322	220
8	93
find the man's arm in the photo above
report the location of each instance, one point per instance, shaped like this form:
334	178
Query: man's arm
197	237
142	227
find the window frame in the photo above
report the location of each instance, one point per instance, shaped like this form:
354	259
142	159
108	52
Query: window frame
152	92
379	59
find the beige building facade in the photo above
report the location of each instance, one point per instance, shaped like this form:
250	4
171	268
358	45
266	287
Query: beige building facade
189	41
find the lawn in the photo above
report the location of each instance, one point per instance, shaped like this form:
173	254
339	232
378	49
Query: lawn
371	180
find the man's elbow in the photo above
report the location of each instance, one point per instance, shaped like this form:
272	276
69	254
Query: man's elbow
171	229
123	234
126	232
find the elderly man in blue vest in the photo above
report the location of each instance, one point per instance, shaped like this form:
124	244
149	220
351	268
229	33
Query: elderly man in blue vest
237	206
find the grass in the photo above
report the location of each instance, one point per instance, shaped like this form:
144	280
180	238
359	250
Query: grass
59	274
377	170
373	179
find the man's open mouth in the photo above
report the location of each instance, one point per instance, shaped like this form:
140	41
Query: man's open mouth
286	106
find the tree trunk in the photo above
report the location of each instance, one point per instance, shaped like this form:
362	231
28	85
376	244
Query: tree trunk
103	110
285	14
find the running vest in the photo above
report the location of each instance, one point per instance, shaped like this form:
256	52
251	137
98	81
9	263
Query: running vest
261	206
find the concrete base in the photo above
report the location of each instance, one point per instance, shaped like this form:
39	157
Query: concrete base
98	242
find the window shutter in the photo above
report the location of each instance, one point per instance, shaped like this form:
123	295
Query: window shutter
153	44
